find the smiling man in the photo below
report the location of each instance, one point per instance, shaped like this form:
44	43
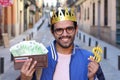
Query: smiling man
66	61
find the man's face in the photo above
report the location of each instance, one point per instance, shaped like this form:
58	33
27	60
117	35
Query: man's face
64	33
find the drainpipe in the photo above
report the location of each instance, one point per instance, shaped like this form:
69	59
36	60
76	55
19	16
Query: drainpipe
98	28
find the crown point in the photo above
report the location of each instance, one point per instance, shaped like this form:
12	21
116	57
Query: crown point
63	14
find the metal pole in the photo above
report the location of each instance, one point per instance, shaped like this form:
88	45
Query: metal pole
105	53
98	33
1	65
119	62
84	38
96	43
80	36
89	44
23	39
12	58
77	34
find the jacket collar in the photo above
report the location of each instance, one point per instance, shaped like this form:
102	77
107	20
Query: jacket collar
54	51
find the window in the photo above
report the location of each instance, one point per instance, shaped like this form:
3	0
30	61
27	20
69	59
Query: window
88	14
118	11
85	15
105	12
93	13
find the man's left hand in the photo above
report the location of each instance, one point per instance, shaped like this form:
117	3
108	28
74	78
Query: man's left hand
92	69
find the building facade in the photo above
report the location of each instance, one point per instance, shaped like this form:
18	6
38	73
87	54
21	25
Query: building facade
12	18
0	25
100	18
15	19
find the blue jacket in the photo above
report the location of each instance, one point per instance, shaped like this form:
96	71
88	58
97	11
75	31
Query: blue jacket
78	64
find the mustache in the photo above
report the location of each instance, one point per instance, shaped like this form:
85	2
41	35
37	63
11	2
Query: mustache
64	37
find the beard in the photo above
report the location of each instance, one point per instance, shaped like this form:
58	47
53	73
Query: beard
65	41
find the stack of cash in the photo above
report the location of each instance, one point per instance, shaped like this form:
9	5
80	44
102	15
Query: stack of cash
25	48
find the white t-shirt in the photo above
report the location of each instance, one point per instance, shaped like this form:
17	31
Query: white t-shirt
62	67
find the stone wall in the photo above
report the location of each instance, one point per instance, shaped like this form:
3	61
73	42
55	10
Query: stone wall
105	33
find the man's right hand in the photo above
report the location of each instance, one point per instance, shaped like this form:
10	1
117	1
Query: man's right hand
27	70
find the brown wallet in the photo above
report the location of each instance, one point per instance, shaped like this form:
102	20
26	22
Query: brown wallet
42	61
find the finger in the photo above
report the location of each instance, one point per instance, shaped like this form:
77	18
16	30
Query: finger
32	68
90	65
91	59
27	64
24	65
90	69
28	71
93	66
23	69
31	73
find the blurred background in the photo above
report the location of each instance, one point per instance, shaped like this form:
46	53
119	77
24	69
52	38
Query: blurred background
22	20
100	18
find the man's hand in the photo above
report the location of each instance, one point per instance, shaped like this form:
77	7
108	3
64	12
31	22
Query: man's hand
27	70
92	69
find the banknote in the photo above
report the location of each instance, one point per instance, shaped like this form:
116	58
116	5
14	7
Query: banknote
28	48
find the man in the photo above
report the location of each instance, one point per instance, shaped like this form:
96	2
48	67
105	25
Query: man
66	61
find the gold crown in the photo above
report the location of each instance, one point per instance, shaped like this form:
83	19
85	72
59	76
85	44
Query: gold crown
61	16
